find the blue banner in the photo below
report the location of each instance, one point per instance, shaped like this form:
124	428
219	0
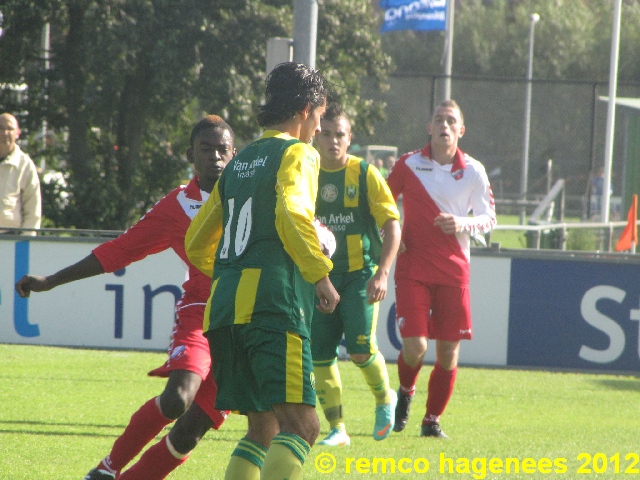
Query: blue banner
414	15
574	314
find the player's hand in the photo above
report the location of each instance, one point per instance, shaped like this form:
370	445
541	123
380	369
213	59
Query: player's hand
448	223
377	287
31	283
327	295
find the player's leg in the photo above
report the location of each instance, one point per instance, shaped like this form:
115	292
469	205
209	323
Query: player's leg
299	428
441	382
248	457
326	332
361	318
148	422
239	391
283	369
450	322
413	307
173	450
188	362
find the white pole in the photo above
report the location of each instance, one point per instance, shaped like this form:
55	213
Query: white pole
448	50
611	112
46	55
524	171
305	31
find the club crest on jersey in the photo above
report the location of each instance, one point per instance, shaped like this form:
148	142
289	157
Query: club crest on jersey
329	193
351	191
457	175
178	352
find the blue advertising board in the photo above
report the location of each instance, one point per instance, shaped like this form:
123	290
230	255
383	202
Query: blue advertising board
414	15
574	314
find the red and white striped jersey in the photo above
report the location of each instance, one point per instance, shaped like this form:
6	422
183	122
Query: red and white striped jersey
162	227
428	188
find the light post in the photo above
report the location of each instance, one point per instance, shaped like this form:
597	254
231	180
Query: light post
533	19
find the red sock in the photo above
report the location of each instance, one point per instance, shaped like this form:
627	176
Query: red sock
156	463
441	384
408	375
144	425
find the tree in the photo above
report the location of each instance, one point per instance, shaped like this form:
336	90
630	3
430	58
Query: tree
129	77
572	40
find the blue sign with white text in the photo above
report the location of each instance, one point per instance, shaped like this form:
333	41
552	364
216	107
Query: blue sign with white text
414	15
574	314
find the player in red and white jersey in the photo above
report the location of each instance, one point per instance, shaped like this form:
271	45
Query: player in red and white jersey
190	380
440	185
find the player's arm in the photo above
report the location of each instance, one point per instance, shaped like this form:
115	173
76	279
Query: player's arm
85	268
295	205
395	181
149	235
204	233
482	205
385	212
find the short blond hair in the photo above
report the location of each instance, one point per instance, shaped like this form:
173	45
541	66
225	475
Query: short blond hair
449	104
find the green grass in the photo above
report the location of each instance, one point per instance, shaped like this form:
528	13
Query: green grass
63	408
509	238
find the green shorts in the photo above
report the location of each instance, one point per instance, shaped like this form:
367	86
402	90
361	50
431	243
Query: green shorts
256	367
354	317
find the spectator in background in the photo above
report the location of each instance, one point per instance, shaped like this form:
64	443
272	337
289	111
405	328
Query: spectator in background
388	164
597	189
379	163
20	201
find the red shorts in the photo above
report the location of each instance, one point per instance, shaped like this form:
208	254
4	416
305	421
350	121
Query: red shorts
189	350
439	312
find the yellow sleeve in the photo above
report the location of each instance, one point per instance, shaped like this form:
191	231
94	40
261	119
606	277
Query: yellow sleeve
204	232
381	203
296	192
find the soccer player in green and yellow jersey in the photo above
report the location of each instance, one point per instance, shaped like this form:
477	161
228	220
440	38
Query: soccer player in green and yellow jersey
354	202
256	234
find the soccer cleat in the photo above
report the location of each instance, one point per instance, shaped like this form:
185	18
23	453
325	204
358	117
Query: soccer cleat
385	418
402	411
432	430
337	437
96	474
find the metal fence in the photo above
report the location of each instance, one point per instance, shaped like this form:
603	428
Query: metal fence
568	125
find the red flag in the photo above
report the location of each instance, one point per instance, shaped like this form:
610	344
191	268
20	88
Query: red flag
629	237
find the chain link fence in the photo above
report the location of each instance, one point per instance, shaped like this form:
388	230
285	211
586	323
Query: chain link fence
568	128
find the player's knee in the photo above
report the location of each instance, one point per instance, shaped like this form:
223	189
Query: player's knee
413	353
184	438
173	403
313	431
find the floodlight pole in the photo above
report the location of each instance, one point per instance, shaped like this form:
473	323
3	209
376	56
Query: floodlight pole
533	19
448	51
611	112
305	31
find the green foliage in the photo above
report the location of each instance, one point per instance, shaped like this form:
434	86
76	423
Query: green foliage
491	37
127	80
62	409
582	239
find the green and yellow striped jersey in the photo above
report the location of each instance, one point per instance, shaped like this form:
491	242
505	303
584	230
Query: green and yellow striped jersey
256	238
354	202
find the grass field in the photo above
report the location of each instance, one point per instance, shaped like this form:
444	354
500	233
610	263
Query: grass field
63	408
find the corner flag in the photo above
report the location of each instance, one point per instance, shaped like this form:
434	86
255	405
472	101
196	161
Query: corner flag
414	15
629	238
